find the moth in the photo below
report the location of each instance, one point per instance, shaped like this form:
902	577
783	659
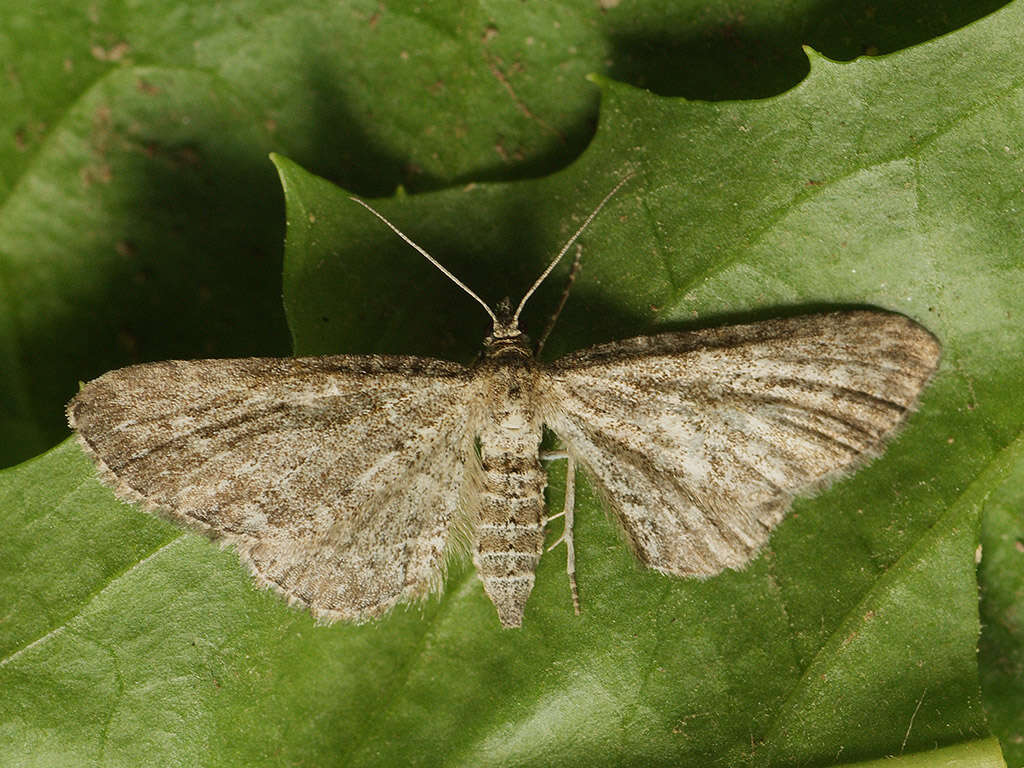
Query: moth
345	482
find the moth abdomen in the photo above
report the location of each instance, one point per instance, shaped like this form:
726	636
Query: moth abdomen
509	534
510	538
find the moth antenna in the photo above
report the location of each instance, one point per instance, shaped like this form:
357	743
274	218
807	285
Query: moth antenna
428	257
568	245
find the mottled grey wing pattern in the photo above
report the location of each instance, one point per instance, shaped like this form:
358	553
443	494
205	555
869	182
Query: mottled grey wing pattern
337	478
699	440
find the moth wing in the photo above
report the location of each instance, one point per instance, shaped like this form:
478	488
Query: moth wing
336	478
699	440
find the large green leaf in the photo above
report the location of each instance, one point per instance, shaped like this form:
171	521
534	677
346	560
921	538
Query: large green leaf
892	183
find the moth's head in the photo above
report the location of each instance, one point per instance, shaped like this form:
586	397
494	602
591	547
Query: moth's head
505	334
506	324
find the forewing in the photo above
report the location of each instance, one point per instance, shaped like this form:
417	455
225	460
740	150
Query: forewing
699	440
337	478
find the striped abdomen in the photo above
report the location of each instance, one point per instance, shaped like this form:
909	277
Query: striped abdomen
510	530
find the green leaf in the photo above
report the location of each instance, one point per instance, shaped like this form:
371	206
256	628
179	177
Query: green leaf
127	235
1002	609
892	183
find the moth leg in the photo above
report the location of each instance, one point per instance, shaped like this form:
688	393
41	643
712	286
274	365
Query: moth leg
553	455
568	511
573	271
